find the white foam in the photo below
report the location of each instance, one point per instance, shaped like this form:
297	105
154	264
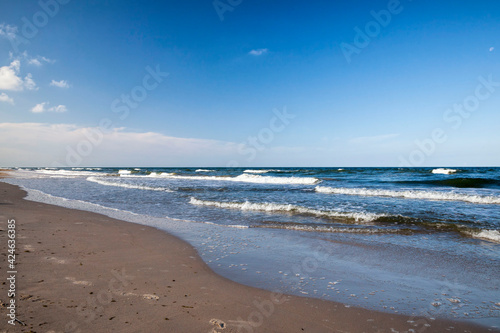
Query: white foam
491	235
444	171
139	187
151	175
245	178
422	195
66	173
256	171
283	208
203	170
124	172
236	226
327	229
39	196
276	180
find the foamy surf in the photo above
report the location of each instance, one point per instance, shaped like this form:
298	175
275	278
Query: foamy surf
444	171
290	209
256	171
203	170
65	173
150	175
422	195
310	228
489	235
245	178
138	187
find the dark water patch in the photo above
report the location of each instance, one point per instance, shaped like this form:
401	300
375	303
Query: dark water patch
458	182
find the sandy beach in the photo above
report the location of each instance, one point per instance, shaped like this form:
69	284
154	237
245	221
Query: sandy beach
80	272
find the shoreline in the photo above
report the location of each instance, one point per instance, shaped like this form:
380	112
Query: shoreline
80	270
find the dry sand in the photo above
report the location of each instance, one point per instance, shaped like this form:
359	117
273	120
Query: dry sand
84	272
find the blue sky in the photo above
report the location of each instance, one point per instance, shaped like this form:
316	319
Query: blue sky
228	79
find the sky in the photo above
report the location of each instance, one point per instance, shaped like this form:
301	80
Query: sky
249	83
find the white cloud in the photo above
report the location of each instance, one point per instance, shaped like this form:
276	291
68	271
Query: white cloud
5	98
35	62
10	79
8	31
60	84
46	144
491	48
258	52
39	108
42	107
59	108
38	61
29	83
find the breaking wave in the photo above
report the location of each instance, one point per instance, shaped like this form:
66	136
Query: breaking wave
444	171
490	235
138	187
291	209
245	178
67	173
423	195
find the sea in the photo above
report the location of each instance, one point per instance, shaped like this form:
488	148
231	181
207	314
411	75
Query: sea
416	241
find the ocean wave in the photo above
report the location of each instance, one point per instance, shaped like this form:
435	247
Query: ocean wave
66	173
203	170
490	235
275	180
256	171
150	175
284	208
422	195
124	172
444	171
245	178
138	187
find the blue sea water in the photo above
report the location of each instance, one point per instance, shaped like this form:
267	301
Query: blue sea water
423	241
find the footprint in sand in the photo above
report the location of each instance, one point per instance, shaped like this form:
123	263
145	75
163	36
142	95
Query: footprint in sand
151	296
56	260
75	281
219	324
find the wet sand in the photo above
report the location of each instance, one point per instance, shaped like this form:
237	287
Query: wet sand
84	272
